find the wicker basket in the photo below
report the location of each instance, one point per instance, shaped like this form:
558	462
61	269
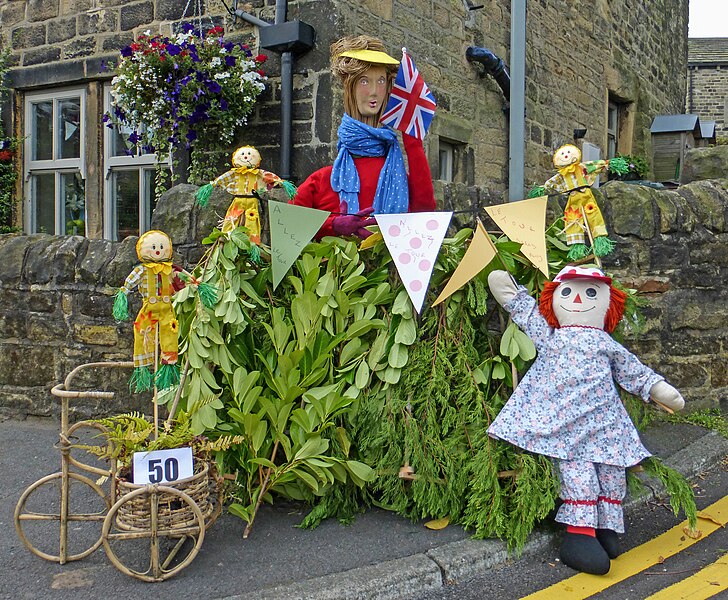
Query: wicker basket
134	515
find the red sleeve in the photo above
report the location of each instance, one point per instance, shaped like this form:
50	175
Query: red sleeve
177	283
316	192
421	191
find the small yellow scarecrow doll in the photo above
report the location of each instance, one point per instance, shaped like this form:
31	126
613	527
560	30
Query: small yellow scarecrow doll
243	181
157	280
575	179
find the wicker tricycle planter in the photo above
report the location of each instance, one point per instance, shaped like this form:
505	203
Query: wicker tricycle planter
169	520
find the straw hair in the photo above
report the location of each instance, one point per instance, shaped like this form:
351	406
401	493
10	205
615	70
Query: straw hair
349	70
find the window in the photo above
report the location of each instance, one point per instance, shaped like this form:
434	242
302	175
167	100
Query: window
612	129
454	161
54	163
447	153
129	190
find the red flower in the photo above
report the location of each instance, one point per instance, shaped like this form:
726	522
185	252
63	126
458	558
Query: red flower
261	58
261	72
6	155
216	31
136	47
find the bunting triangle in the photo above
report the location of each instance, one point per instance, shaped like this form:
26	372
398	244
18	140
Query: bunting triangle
525	222
414	240
291	229
480	252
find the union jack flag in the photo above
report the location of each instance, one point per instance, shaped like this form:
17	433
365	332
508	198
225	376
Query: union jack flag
411	104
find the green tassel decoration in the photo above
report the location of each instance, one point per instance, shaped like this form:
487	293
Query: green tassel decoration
255	254
207	294
603	245
203	195
290	188
577	251
121	306
537	191
141	380
167	376
618	165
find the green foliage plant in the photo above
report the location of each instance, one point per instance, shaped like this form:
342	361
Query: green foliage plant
8	160
344	397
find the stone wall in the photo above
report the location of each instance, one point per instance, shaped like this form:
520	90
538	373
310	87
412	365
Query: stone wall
708	95
579	54
56	293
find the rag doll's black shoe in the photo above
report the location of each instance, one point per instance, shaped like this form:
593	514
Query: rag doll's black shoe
584	553
609	541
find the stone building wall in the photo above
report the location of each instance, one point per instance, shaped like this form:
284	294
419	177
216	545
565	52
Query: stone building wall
56	294
708	95
579	54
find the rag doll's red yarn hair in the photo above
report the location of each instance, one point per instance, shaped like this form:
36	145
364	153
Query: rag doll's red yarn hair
611	319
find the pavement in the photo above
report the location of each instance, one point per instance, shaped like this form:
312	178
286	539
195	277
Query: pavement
379	556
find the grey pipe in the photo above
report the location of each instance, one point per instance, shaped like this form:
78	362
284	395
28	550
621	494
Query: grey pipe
286	97
517	121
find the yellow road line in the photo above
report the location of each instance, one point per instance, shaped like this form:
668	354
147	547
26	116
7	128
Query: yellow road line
638	559
706	583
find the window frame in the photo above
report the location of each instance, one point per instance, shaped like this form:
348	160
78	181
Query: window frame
55	166
114	164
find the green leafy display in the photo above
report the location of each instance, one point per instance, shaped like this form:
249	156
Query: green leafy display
344	397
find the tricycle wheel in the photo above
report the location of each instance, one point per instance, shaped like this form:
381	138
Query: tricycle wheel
162	549
51	502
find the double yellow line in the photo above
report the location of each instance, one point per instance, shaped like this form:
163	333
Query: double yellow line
701	585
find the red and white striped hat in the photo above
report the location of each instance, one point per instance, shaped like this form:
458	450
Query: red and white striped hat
572	272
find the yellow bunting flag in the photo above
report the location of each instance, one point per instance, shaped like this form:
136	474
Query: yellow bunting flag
525	222
291	229
480	252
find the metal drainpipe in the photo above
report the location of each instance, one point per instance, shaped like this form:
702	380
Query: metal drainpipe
517	121
286	96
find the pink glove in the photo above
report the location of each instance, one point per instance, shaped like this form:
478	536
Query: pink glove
346	224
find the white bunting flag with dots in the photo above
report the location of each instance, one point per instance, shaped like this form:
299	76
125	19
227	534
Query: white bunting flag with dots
414	240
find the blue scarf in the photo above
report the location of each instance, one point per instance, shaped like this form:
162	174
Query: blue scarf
358	139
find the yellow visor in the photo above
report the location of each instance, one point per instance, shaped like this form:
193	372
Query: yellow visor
372	56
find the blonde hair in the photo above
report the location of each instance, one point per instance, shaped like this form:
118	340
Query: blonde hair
349	70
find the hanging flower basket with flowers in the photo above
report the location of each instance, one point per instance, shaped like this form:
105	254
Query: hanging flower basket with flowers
191	91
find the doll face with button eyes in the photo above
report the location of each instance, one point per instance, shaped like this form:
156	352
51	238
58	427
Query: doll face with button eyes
155	247
582	302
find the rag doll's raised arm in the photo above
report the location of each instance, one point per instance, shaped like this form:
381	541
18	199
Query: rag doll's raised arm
520	306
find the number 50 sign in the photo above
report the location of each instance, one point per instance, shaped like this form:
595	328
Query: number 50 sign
162	466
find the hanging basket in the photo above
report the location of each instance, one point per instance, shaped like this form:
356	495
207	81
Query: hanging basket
204	488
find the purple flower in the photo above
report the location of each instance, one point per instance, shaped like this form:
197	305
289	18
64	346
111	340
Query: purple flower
133	137
187	27
126	51
214	87
230	60
105	118
173	49
223	104
191	135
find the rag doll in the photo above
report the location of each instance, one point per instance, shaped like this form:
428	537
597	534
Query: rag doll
157	280
568	407
575	179
243	181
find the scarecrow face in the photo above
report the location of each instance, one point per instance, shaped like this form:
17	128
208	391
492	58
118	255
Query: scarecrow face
566	155
370	91
154	246
581	302
247	156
